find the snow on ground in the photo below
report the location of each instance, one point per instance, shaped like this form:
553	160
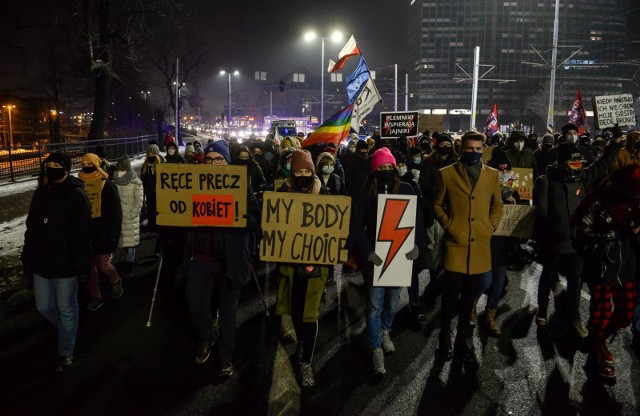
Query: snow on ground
12	231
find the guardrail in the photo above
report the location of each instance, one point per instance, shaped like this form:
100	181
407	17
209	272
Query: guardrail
21	162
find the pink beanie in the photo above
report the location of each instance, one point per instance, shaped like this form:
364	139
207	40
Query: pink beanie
380	157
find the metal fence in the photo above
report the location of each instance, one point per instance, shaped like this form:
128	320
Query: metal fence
21	162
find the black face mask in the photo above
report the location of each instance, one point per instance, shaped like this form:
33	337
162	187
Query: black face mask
55	174
151	160
385	177
362	155
303	182
443	150
88	169
425	147
243	161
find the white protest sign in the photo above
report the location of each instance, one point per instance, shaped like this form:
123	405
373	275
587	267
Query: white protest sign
612	109
395	237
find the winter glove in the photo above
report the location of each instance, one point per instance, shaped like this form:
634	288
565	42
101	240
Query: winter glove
617	132
374	258
413	254
416	174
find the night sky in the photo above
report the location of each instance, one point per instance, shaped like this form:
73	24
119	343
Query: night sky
259	35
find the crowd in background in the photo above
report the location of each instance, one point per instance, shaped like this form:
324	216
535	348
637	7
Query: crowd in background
586	194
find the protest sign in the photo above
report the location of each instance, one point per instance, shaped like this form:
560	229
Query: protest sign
93	189
516	221
395	237
523	182
611	109
430	122
201	195
487	152
305	228
396	124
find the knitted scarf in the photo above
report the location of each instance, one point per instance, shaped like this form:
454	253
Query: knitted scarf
124	179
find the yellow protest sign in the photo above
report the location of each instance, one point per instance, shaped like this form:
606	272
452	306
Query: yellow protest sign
304	228
487	152
523	182
201	195
516	221
93	189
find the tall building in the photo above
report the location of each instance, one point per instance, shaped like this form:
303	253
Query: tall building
593	44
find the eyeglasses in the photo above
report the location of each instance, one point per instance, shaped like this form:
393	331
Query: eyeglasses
216	160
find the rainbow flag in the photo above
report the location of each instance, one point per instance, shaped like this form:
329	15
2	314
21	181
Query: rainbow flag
334	130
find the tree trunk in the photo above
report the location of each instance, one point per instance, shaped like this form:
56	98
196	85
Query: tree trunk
101	106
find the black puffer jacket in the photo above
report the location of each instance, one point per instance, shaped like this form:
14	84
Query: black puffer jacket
556	196
59	237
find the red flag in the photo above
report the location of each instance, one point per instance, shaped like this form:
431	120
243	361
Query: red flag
491	125
578	115
349	50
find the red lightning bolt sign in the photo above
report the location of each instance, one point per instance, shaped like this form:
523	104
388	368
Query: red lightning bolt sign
390	231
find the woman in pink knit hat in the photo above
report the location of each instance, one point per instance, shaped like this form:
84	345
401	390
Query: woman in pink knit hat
383	301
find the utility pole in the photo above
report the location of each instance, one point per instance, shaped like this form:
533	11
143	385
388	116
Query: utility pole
395	87
554	58
177	100
406	92
474	92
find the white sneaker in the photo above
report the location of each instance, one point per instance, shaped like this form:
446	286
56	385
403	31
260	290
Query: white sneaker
378	361
387	344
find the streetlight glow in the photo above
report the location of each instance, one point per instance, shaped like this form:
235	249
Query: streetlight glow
336	36
223	72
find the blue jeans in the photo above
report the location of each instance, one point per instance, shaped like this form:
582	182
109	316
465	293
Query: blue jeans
57	300
483	281
497	286
381	309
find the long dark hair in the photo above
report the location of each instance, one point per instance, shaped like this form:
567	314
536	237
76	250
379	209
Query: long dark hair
373	183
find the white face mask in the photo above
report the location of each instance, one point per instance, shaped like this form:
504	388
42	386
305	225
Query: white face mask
328	169
402	171
571	138
417	160
518	145
171	151
120	173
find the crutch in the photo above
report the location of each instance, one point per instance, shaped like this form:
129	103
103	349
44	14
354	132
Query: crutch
155	290
264	303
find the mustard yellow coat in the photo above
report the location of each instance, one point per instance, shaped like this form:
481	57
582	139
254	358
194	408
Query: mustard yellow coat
468	217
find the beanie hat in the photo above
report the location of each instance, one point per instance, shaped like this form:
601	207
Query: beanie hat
361	145
220	146
353	142
197	159
196	143
567	127
568	151
171	144
414	151
354	136
190	149
60	158
153	149
400	157
95	161
380	157
301	159
323	155
599	142
518	135
123	163
330	148
444	137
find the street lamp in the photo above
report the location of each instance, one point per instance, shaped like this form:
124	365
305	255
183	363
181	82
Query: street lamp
9	108
223	72
336	36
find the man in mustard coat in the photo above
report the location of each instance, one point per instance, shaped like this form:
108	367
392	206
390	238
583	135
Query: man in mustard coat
468	205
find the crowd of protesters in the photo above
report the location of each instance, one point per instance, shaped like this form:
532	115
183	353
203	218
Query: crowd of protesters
587	208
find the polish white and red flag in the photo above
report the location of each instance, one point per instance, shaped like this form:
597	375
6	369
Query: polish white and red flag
349	50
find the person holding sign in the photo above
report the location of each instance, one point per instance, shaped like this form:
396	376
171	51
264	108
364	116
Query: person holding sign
106	211
630	153
217	262
300	287
468	205
383	301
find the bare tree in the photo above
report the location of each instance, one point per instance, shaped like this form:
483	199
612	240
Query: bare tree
538	102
